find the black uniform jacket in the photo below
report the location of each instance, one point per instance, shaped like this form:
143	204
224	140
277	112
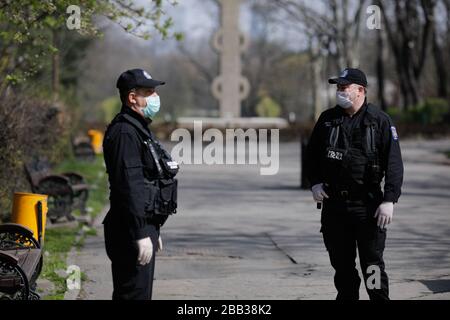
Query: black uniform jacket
128	164
387	146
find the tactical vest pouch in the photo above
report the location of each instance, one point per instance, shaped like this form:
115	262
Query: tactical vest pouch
166	203
163	197
170	167
374	173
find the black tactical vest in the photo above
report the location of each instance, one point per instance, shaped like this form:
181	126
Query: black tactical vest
352	159
159	173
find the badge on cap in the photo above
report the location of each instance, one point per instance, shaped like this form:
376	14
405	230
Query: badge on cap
394	133
146	74
344	74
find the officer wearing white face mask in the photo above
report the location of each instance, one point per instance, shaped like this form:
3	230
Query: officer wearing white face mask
133	163
353	147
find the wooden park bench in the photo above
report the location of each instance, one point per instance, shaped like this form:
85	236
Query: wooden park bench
82	149
20	263
66	191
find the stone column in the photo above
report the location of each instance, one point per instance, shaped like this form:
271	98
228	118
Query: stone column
230	87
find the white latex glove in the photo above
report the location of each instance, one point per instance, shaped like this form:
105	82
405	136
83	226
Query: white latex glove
145	250
160	244
384	213
318	192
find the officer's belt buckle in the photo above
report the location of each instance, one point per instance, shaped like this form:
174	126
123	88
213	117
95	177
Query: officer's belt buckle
344	193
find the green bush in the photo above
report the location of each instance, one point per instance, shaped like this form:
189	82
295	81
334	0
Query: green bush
267	107
432	111
109	108
395	113
435	111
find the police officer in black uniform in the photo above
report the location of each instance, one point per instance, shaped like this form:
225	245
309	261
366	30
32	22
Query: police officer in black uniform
352	148
131	228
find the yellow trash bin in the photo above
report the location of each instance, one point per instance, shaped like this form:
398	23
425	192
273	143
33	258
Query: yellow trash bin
26	208
96	140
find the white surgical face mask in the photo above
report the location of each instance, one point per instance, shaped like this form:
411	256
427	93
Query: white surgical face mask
343	99
153	105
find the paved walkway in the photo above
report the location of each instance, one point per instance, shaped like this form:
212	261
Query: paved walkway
239	235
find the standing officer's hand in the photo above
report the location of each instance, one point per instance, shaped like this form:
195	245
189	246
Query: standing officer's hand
318	192
384	213
145	250
160	244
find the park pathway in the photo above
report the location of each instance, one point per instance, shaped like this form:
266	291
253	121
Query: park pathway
240	235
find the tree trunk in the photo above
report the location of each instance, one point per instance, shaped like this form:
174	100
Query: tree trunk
380	71
316	67
408	46
441	70
55	68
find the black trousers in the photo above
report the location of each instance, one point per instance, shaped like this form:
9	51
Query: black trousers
348	227
130	280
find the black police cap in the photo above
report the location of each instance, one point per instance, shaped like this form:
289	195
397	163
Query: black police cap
349	76
137	78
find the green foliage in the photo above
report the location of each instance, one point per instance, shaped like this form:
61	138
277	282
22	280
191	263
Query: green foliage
434	111
110	107
58	242
29	27
431	111
395	112
267	107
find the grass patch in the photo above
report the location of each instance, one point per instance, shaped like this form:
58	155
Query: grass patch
95	175
91	232
58	242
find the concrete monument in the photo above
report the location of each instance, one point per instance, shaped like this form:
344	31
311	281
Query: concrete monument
230	87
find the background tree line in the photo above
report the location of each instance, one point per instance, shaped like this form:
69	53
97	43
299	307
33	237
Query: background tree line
56	83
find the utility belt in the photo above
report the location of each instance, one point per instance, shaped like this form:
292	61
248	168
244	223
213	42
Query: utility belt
353	192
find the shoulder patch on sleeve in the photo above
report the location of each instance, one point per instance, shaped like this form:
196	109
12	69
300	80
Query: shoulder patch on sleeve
394	133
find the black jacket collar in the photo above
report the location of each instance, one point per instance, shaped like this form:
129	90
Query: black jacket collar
127	110
361	110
